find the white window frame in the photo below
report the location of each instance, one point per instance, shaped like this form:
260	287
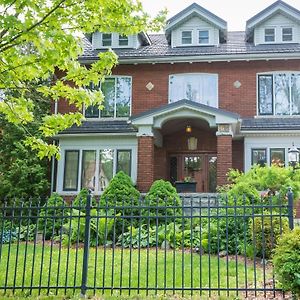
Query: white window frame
181	37
115	110
122	37
287	27
196	74
97	149
111	40
198	37
269	42
289	73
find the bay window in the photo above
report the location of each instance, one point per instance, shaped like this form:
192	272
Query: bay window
97	167
117	98
279	94
198	87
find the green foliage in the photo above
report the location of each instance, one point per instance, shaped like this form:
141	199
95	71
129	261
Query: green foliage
121	192
265	231
100	226
286	261
49	221
80	200
162	199
40	40
274	179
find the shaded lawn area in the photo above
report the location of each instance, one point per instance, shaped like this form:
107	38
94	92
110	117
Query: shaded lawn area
109	269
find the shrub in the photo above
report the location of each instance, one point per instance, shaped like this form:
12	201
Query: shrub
49	221
80	200
286	261
162	199
265	232
121	192
74	230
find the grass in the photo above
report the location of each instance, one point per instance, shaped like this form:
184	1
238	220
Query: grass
110	269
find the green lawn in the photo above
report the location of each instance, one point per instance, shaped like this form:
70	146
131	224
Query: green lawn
138	269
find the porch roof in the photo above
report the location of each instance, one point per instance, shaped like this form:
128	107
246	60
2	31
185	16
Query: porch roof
185	108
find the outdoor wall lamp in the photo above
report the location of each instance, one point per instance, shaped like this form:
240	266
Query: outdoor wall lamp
293	156
188	129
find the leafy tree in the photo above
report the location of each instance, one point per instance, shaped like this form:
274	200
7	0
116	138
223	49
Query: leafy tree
40	40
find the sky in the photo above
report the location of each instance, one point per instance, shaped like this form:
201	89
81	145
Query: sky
235	12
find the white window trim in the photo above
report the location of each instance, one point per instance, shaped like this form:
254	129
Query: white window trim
257	94
293	34
192	37
60	177
115	117
123	46
275	35
111	44
209	36
184	74
115	42
195	37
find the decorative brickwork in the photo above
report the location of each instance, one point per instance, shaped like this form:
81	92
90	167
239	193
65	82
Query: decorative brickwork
224	162
145	171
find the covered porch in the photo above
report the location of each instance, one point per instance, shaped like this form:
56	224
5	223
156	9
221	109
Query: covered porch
187	143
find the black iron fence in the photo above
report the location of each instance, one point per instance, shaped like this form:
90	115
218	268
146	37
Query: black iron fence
91	247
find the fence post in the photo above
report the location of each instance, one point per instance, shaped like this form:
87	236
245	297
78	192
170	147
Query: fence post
86	244
290	208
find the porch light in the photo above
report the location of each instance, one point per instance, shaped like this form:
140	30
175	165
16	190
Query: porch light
293	155
188	129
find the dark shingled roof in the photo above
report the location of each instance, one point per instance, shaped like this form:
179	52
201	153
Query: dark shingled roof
272	124
100	127
159	48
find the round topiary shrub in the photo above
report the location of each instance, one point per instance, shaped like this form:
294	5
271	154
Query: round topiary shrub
265	231
122	194
162	200
286	261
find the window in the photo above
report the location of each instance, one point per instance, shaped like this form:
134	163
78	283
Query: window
277	156
97	167
88	172
259	157
203	37
186	37
71	170
106	39
279	94
198	87
287	34
117	99
124	161
123	40
269	34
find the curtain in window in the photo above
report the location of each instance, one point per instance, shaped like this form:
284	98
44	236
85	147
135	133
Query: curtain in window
295	91
123	96
265	85
124	161
201	88
282	93
105	168
88	174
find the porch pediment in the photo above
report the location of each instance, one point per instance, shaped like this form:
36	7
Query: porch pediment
184	109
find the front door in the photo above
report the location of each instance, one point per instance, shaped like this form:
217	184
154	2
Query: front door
194	167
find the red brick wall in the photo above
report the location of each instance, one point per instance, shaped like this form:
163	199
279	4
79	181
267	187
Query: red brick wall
298	209
145	172
224	162
160	164
238	155
242	100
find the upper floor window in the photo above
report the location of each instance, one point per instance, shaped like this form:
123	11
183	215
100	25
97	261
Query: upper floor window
287	34
269	34
279	93
106	39
203	36
117	99
198	87
123	40
186	37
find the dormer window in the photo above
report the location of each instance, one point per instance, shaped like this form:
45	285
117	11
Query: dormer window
203	37
186	37
269	35
106	39
287	34
123	40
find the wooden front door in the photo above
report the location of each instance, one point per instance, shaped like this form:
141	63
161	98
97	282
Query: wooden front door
195	167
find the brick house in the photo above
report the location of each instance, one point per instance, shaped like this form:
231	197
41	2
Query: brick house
188	104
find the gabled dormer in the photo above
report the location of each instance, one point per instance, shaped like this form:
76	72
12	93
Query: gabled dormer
195	26
115	40
279	23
